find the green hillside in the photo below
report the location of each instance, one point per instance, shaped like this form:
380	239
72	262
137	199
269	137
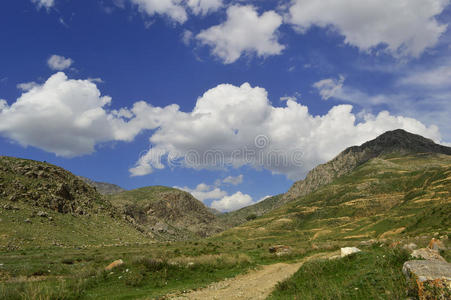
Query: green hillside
388	196
42	205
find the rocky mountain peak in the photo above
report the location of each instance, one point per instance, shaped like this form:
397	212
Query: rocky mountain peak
396	141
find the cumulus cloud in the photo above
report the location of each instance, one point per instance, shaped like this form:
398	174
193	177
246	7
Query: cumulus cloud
229	127
204	7
59	63
438	77
44	3
234	180
171	8
402	27
62	116
244	32
232	202
329	87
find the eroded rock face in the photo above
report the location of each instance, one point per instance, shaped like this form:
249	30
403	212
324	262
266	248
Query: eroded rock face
428	279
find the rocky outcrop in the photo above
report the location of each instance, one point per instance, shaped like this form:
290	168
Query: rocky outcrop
428	279
348	251
44	185
397	141
167	213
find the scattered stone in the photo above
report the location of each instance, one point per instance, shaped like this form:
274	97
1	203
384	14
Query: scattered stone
280	250
27	220
427	254
429	279
436	245
348	251
114	264
42	214
410	247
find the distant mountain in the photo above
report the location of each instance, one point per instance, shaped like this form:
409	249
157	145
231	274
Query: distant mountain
43	205
397	142
103	187
166	213
391	196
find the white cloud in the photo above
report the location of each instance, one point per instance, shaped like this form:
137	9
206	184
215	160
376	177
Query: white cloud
59	63
26	86
204	7
44	3
204	192
233	180
232	202
234	126
329	87
62	116
438	77
187	37
405	27
171	8
244	32
229	127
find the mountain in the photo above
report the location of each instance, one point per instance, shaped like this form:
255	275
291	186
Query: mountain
103	187
166	213
397	142
42	204
392	195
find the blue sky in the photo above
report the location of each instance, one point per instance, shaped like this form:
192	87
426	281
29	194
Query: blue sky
124	91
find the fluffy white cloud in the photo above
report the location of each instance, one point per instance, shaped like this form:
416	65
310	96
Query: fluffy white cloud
405	27
234	126
44	3
62	116
234	180
232	202
59	63
171	8
229	127
204	7
244	32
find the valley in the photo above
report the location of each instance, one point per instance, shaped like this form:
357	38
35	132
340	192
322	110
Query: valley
60	231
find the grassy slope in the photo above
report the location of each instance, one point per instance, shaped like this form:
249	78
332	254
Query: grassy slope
83	218
411	194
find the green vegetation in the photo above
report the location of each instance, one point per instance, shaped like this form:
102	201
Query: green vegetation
374	273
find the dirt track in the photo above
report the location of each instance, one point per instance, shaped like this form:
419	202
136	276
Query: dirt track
254	285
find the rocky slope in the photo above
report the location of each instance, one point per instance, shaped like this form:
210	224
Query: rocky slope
166	213
103	187
399	142
42	204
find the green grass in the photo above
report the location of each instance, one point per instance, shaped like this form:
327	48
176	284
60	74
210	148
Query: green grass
374	273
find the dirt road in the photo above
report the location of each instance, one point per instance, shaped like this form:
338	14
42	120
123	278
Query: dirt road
257	284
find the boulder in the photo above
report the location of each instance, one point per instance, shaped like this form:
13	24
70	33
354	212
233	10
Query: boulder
436	245
428	279
348	251
114	264
42	214
427	254
280	250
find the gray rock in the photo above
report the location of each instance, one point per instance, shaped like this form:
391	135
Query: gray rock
348	251
42	214
27	220
427	254
430	279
